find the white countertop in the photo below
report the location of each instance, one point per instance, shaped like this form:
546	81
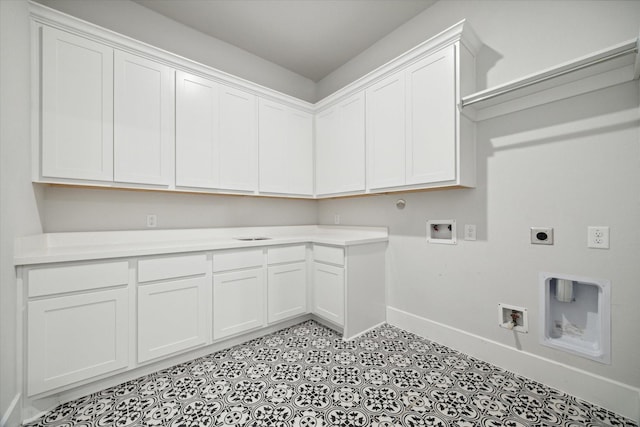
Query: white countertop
78	246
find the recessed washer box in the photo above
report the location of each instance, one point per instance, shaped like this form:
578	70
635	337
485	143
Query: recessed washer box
441	231
575	315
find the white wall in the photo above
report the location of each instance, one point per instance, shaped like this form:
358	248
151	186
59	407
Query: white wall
567	165
18	211
521	37
140	23
74	209
25	209
538	167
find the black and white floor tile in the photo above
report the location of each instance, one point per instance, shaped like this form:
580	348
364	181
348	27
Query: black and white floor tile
307	376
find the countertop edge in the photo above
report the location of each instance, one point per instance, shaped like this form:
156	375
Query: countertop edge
337	236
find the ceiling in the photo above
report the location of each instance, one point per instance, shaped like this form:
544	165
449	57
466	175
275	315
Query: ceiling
309	37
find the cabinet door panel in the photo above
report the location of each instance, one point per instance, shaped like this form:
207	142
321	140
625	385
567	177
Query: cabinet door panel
386	132
173	316
76	337
340	147
238	302
238	140
299	162
327	123
272	146
287	291
285	149
431	119
77	107
328	292
144	120
197	132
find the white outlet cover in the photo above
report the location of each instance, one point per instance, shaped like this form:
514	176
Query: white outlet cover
469	232
598	237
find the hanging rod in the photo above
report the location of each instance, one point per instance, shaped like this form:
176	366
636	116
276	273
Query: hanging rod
542	79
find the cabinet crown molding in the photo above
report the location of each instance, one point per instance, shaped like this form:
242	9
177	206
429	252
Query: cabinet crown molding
461	32
44	15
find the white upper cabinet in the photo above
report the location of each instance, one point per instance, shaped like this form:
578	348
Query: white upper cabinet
197	132
77	107
386	121
340	147
216	135
416	137
286	149
238	140
112	111
431	119
144	121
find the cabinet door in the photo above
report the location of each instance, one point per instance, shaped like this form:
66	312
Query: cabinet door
328	292
340	147
173	316
238	140
77	107
431	119
285	149
386	132
197	132
287	291
144	121
76	337
238	302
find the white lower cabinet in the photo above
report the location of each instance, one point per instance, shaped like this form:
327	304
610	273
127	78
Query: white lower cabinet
174	304
328	283
328	292
172	317
287	291
77	324
238	302
286	282
82	318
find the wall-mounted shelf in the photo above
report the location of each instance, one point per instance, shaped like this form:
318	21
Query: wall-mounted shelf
604	68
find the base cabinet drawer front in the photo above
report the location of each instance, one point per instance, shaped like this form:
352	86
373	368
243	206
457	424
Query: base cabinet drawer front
237	259
238	302
172	267
287	291
78	277
328	254
173	316
328	292
73	338
284	254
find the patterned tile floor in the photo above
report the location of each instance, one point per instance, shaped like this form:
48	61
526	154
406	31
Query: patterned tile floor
307	376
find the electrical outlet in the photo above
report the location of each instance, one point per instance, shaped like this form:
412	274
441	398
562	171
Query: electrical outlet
598	237
152	221
336	219
542	235
469	232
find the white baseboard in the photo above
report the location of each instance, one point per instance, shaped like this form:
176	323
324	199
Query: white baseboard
11	417
609	394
